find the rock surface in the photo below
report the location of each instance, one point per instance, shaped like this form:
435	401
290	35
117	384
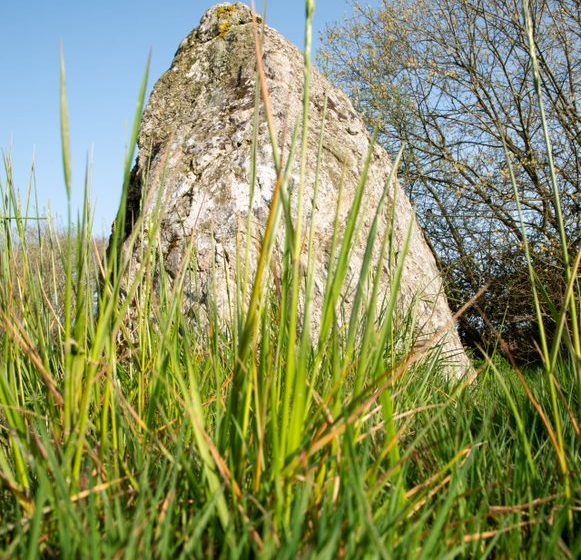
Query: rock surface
196	141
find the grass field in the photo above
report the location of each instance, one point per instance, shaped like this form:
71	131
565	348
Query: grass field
129	430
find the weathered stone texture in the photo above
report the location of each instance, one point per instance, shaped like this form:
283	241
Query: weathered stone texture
197	134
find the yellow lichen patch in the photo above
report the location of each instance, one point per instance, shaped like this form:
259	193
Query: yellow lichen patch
224	13
223	29
225	10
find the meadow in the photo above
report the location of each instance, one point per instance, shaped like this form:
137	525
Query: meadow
128	430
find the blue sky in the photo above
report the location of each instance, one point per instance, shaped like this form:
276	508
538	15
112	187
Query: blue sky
106	45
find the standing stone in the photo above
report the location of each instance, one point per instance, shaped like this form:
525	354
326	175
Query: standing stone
195	144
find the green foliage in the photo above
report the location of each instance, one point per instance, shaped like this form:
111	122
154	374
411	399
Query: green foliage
128	429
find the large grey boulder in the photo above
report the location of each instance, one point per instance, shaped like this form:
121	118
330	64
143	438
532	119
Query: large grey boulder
195	144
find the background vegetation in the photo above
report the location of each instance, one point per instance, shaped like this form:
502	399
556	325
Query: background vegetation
455	82
128	430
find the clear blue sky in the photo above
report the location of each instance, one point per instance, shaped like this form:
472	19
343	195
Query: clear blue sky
106	46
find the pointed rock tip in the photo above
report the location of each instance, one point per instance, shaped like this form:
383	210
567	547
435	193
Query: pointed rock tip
220	19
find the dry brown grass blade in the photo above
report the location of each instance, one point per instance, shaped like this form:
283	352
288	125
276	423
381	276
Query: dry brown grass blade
433	492
463	454
486	535
400	416
95	490
263	85
522	508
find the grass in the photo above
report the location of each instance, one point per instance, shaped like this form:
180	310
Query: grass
128	430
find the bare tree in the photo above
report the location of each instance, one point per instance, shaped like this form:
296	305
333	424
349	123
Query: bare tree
452	79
